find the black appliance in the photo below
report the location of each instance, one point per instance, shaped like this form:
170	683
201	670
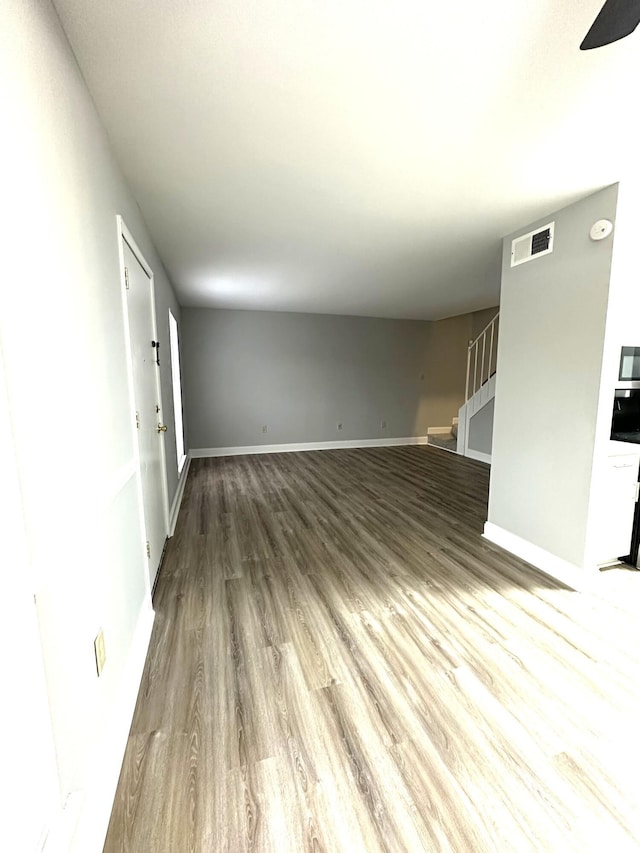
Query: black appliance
632	557
625	426
625	420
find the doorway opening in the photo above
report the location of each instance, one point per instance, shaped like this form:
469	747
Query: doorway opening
143	355
176	383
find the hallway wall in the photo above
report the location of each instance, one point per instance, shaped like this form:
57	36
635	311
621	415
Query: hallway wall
62	338
553	315
302	374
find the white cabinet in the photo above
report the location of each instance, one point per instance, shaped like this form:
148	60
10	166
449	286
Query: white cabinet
617	502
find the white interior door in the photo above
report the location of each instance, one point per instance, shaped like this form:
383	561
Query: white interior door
148	405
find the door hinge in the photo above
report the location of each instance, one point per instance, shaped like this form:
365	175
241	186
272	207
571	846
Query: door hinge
126	277
137	420
148	550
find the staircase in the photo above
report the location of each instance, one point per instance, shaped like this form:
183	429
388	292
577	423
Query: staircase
475	418
444	437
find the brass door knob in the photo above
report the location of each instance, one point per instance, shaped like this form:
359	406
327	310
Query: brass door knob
161	428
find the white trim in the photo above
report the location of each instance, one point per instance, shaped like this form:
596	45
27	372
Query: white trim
577	578
478	455
177	498
89	810
176	387
482	397
473	347
203	452
445	449
128	237
124	235
121	231
438	430
461	438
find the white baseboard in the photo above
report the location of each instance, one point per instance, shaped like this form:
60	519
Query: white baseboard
438	430
478	455
177	499
93	805
550	564
202	452
443	449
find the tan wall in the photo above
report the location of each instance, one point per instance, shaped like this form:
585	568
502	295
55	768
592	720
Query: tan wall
447	360
480	320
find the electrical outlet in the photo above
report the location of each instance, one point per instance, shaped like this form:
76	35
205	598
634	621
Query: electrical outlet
264	428
383	424
339	426
100	651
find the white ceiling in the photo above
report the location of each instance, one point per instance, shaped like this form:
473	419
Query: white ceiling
352	156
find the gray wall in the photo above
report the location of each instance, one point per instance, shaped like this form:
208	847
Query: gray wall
301	374
481	429
550	350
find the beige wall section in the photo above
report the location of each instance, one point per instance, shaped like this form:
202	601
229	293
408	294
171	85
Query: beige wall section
481	319
447	359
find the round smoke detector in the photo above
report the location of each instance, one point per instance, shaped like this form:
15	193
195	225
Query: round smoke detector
601	229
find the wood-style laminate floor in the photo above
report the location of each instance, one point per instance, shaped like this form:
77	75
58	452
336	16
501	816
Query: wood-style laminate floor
341	663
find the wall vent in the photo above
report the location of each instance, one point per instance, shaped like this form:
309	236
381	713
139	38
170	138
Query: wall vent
535	244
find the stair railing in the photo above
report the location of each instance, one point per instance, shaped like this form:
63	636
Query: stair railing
481	357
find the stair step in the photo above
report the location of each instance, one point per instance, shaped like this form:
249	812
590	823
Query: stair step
447	441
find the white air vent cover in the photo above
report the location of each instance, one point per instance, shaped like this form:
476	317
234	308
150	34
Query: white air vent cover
532	245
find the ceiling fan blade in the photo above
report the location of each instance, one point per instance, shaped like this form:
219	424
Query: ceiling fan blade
617	19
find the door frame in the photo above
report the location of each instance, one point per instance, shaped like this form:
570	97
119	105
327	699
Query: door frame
125	236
